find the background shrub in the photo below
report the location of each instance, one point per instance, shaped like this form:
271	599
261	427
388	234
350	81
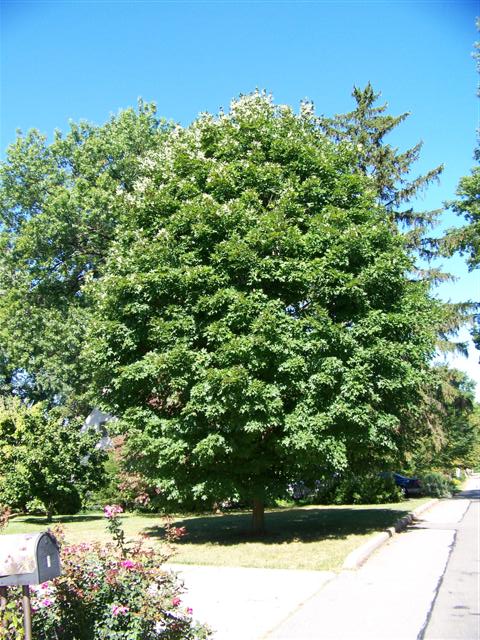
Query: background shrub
437	485
366	489
68	501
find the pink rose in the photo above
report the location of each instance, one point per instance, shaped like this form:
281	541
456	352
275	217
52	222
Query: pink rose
118	610
176	601
128	564
112	510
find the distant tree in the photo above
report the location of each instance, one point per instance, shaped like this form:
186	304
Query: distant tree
253	320
474	458
466	239
461	429
57	219
45	458
454	425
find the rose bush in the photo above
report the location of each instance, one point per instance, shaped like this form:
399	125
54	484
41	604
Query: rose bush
116	591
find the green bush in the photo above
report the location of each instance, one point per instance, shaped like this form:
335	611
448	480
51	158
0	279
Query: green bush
109	492
366	489
45	458
437	485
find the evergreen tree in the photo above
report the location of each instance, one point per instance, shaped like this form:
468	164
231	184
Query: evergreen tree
466	239
452	414
365	128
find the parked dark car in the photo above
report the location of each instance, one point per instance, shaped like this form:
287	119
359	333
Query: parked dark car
409	486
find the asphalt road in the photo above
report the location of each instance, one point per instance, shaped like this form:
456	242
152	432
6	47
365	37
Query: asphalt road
455	614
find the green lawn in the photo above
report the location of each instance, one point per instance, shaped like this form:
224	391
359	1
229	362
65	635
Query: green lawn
313	537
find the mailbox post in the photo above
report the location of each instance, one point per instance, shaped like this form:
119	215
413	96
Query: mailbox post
27	559
27	612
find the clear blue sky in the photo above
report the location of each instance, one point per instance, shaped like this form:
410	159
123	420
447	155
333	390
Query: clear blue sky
72	60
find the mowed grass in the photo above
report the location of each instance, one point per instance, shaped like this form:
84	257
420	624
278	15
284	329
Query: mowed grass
311	537
85	527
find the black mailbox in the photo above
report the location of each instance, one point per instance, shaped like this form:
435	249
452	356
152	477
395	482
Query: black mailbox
30	558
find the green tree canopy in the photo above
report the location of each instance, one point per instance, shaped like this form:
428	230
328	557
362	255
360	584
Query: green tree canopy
254	323
57	218
59	209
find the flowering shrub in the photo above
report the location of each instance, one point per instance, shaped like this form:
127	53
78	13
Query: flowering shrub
117	591
11	624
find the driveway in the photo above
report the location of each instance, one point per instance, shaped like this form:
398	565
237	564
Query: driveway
245	604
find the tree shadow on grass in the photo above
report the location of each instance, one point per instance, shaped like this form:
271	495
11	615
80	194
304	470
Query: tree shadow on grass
41	519
303	525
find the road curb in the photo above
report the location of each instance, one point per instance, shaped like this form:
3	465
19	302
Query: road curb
358	556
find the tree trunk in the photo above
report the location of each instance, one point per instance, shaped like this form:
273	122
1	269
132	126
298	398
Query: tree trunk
258	519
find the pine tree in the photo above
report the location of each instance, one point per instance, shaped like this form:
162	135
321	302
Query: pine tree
466	239
365	128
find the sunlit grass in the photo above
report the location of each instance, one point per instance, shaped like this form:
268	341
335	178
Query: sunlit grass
84	527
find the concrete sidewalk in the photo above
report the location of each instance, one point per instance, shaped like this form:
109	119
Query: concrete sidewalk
389	598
